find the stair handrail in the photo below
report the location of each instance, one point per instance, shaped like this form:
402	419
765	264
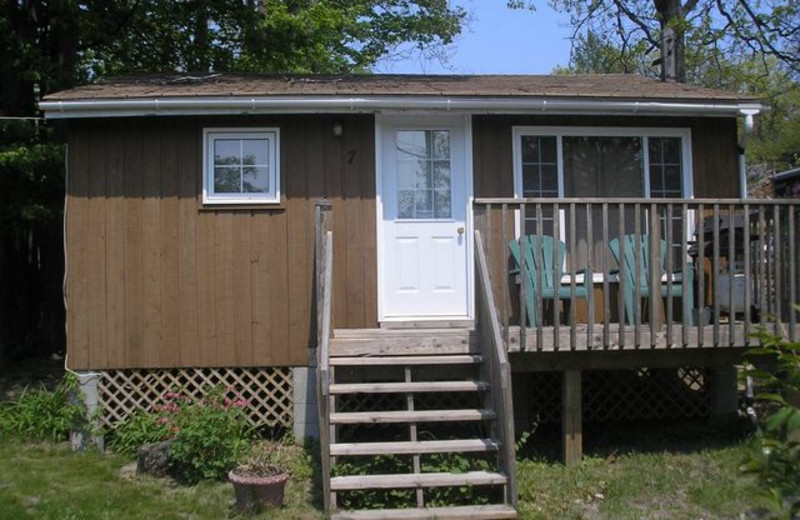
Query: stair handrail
498	368
324	293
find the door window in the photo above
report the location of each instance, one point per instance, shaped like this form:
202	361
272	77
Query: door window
423	174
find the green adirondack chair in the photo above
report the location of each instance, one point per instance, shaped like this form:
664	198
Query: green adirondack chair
539	266
642	270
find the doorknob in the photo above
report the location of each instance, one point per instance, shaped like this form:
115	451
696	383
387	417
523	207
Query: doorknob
460	231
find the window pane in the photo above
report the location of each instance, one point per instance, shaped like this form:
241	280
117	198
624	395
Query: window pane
424	175
441	144
405	203
255	180
441	175
424	204
227	180
539	166
665	166
423	165
412	144
406	174
255	152
600	166
441	201
226	151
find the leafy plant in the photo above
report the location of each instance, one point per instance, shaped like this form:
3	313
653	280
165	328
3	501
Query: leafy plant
775	457
42	414
143	428
208	435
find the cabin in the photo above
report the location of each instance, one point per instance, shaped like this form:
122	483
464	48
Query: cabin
418	266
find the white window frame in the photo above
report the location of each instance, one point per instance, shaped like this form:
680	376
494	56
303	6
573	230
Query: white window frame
559	132
272	134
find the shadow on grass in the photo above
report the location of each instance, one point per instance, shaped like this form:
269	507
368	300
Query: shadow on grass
312	451
607	439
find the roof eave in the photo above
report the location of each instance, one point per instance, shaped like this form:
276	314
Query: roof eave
243	105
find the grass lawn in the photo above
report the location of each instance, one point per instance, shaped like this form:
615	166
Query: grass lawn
677	472
45	481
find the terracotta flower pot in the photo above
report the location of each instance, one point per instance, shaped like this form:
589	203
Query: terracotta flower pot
253	493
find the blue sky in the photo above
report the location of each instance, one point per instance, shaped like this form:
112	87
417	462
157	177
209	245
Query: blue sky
499	40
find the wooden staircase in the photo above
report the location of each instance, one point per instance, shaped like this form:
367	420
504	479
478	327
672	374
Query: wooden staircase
389	448
380	369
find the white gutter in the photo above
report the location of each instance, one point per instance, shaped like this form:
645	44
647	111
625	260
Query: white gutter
174	106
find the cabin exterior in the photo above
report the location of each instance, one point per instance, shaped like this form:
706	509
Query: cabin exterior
300	238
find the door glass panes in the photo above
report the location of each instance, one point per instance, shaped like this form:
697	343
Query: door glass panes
241	166
423	174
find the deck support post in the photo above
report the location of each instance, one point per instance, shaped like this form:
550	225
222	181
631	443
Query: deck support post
724	391
572	425
304	400
84	433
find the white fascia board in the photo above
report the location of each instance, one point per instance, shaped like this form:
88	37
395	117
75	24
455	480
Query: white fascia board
370	104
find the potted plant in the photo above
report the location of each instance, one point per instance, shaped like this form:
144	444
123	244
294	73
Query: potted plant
259	482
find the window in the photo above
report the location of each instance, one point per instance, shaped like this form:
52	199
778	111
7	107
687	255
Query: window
241	166
423	174
583	162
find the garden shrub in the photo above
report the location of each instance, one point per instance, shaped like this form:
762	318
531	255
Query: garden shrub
775	457
42	414
208	435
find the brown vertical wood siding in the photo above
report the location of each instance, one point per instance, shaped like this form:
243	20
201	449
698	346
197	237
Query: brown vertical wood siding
715	168
154	279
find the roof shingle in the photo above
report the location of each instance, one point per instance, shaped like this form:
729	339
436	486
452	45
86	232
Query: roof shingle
597	86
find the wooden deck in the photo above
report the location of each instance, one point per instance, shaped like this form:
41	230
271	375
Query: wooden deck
627	338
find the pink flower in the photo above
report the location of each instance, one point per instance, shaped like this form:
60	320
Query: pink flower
241	403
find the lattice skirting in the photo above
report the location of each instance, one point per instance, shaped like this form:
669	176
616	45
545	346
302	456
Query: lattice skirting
269	391
611	395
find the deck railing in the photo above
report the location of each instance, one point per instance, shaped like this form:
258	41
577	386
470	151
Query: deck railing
323	267
498	370
726	268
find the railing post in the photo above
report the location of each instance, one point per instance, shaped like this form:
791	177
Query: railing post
323	224
655	274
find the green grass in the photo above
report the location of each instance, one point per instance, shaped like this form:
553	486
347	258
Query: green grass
681	472
45	481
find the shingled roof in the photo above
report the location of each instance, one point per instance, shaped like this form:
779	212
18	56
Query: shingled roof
595	86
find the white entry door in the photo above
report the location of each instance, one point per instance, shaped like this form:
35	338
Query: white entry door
426	243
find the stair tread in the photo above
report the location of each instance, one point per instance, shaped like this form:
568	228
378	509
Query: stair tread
467	414
455	359
414	480
405	342
413	447
401	332
481	512
414	386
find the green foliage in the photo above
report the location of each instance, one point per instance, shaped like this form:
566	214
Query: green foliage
42	414
143	428
775	455
209	435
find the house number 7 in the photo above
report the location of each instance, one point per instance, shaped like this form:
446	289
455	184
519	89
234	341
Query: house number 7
351	155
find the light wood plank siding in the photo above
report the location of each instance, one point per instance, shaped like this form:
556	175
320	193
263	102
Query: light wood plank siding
156	280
